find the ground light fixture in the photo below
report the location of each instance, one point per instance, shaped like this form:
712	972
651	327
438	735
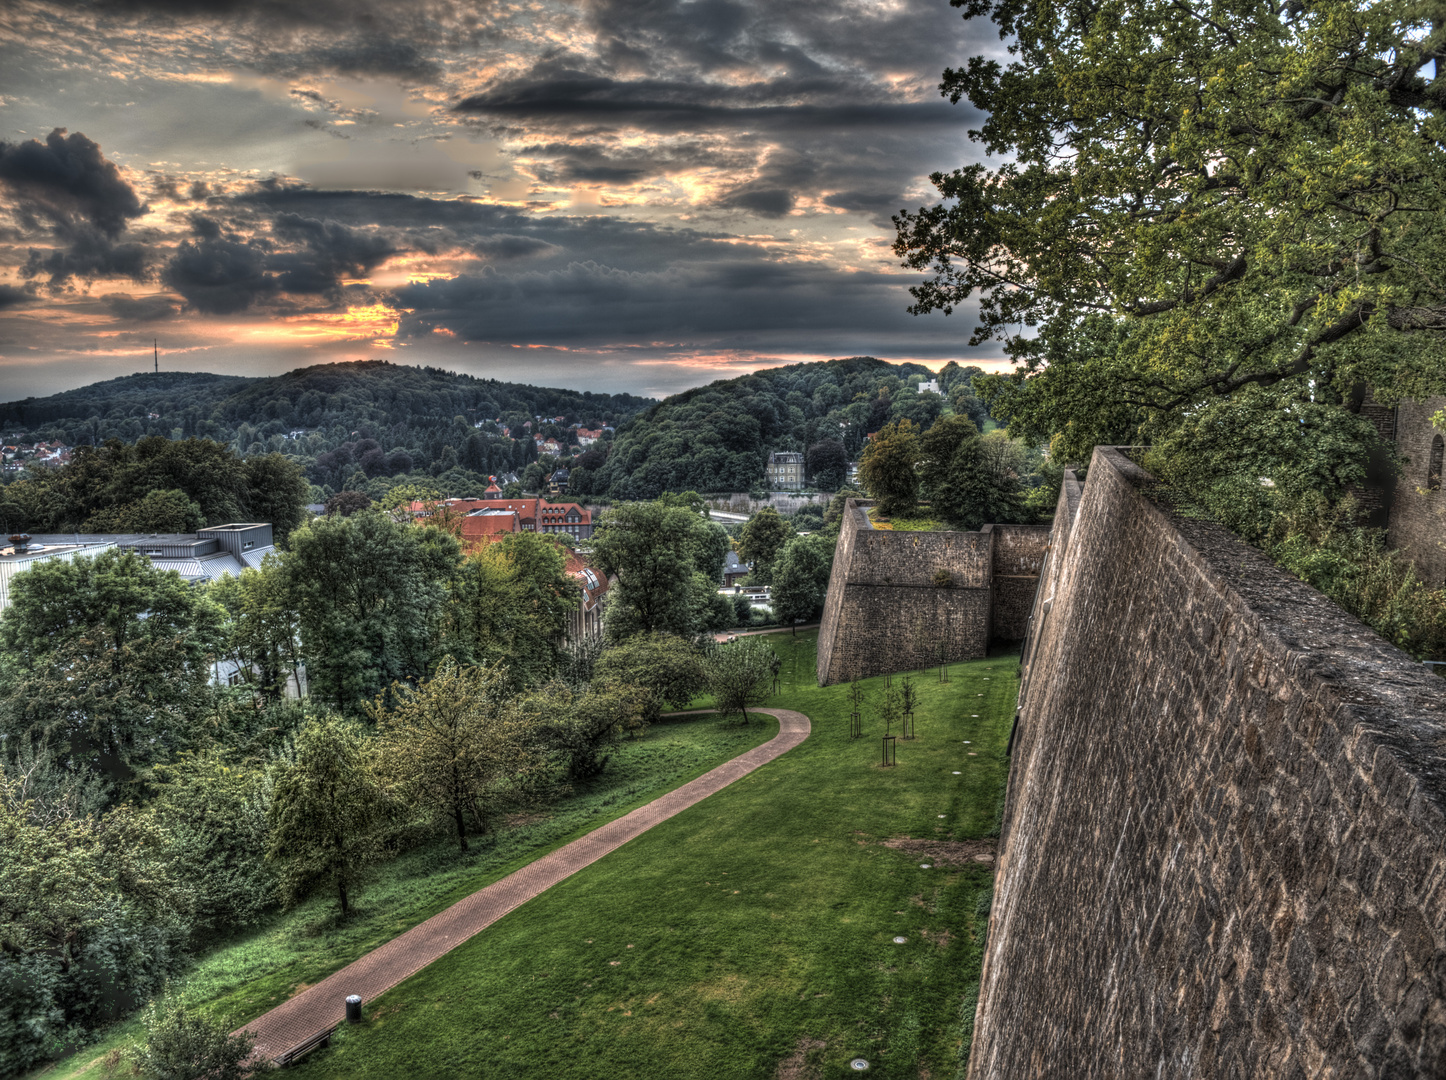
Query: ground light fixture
901	941
859	1065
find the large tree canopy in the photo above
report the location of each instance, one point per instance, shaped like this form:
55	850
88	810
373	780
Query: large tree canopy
1201	207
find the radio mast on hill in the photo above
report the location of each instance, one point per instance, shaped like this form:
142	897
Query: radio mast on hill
156	347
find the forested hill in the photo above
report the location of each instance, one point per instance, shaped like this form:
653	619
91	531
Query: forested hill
717	438
245	410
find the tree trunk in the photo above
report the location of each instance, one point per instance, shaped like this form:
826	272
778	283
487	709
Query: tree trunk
461	829
341	895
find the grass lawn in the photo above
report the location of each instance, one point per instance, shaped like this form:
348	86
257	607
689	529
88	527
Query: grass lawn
908	524
243	978
753	935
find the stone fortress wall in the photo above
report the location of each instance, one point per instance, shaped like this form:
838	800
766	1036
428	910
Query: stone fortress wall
1224	846
897	600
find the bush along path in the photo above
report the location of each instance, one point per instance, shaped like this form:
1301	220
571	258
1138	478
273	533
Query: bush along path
322	1007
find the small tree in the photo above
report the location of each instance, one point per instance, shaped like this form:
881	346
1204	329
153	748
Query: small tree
327	813
740	674
667	665
908	699
451	744
183	1044
891	708
761	541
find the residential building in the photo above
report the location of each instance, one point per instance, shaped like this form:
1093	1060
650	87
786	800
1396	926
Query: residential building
734	569
588	436
587	618
785	470
930	387
533	515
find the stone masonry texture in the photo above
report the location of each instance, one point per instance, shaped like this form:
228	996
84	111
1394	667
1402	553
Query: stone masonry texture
897	600
1418	515
1224	850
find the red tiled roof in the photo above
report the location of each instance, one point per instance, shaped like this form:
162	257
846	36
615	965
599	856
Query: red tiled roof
488	525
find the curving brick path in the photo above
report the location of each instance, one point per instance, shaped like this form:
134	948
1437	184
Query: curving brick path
322	1007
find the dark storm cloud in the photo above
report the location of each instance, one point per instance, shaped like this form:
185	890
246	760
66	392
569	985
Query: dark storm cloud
222	272
665	107
590	302
67	179
11	297
140	308
67	187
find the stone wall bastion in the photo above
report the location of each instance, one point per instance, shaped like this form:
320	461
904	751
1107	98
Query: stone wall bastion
1223	851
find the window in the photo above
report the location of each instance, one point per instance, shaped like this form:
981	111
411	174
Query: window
248	545
1433	474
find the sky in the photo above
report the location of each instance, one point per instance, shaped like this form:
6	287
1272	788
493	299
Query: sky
615	195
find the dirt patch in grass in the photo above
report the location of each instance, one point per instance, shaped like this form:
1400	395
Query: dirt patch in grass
803	1063
947	853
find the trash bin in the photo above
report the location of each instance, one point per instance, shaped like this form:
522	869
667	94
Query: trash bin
353	1009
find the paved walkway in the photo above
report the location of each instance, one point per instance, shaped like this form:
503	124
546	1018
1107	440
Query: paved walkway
323	1006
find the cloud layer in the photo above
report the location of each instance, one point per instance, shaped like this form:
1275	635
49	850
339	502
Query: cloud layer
608	187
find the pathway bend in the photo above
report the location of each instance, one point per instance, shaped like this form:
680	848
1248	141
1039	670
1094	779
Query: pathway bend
322	1007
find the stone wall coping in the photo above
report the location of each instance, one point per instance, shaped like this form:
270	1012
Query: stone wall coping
1376	691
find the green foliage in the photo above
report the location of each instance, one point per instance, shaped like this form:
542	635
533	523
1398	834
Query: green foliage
668	667
1197	204
157	485
972	480
800	583
886	468
828	464
663	557
509	603
741	674
157	512
369	593
582	726
105	665
92	917
214	813
717	438
453	745
761	541
262	630
185	1044
1324	545
327	813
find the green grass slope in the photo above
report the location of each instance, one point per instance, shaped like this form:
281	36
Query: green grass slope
753	935
243	978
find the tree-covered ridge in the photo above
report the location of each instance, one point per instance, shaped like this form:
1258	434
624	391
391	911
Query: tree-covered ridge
363	391
718	437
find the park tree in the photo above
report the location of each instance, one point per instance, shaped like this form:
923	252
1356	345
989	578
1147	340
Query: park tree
800	583
327	813
971	480
669	667
92	913
347	503
510	601
760	542
276	491
156	512
262	632
886	468
740	674
370	592
452	745
653	549
1202	213
106	664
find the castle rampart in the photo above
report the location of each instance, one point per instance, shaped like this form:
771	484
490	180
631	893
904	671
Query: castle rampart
902	599
1224	849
